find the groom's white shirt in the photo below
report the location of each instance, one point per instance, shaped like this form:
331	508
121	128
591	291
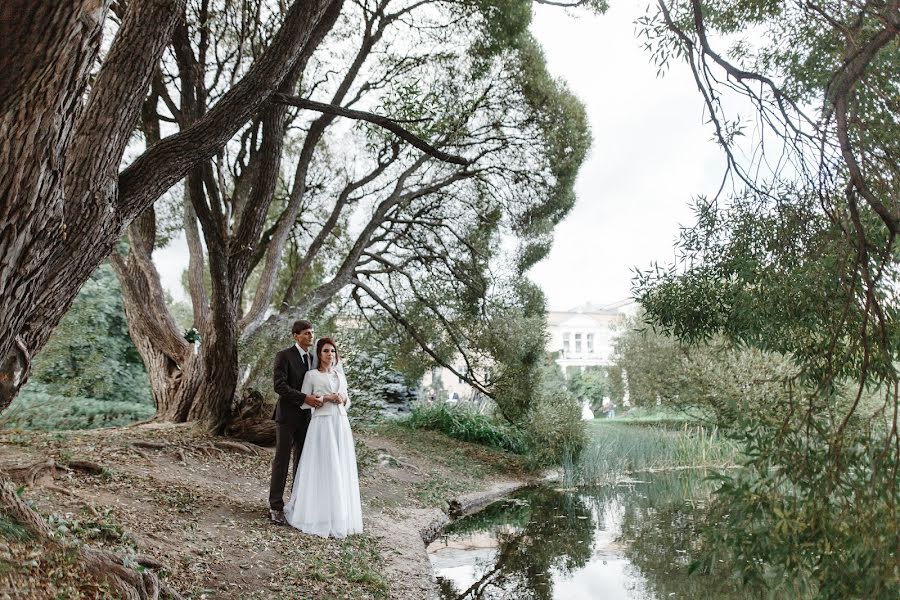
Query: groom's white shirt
311	356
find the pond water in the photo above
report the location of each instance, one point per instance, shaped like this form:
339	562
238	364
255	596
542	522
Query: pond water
632	540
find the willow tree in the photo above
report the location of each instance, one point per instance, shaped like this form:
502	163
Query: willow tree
800	260
68	114
349	202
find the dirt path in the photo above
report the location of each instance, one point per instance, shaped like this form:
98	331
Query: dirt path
198	511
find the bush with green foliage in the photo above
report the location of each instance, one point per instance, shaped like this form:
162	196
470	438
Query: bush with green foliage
464	422
39	409
554	428
89	374
798	259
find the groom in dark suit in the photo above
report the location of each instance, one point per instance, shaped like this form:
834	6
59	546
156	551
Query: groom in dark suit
291	420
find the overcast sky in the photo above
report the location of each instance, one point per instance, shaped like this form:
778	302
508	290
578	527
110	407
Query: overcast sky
651	154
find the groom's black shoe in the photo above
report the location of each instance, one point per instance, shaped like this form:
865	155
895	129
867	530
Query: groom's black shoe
277	517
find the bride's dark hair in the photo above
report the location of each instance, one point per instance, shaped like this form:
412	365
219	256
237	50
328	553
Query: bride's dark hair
321	344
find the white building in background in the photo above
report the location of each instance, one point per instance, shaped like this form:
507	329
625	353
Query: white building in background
584	336
581	337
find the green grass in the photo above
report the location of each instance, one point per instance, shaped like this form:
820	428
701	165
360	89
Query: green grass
359	564
464	423
619	448
660	416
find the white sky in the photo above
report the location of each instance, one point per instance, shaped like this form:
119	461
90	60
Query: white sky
651	154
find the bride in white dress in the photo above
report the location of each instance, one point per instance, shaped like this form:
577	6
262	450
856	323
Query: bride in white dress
325	497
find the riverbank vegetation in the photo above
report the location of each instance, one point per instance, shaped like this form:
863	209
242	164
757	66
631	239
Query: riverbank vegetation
792	270
544	439
616	450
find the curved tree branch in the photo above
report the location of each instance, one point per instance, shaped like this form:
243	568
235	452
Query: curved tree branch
396	316
379	120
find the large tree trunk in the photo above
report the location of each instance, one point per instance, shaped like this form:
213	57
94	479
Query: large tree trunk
204	387
40	100
173	367
58	175
63	204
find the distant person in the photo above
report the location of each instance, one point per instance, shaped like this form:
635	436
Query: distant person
291	420
608	408
586	413
325	498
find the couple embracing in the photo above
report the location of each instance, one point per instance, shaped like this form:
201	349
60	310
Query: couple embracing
311	423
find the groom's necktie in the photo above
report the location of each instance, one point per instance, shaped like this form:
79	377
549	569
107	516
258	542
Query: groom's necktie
306	360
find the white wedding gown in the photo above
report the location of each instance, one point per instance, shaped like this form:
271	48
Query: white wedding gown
325	496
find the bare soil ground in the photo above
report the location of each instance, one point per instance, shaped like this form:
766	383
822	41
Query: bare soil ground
194	509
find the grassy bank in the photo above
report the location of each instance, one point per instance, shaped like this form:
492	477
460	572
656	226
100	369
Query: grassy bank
541	438
616	448
463	422
198	511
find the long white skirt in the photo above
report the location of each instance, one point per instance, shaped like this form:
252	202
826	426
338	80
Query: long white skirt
325	497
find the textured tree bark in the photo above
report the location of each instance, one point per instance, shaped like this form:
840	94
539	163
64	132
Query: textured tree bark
40	104
63	204
172	367
252	419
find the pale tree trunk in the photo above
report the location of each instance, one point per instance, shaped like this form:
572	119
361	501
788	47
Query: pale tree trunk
173	368
201	386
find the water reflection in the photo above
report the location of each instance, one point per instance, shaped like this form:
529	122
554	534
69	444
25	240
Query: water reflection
630	541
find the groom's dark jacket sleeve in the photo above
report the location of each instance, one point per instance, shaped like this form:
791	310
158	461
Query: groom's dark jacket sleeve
287	387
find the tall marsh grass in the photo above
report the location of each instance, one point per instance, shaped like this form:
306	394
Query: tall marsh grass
616	449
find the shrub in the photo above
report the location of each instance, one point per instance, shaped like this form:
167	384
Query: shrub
35	408
555	429
464	422
373	384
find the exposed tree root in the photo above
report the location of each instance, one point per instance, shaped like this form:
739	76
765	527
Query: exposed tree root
88	506
29	473
151	445
140	453
59	490
209	450
236	446
215	448
149	562
252	420
86	466
124	581
14	507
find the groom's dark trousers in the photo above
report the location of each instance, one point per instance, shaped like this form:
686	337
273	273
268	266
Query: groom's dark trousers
291	421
